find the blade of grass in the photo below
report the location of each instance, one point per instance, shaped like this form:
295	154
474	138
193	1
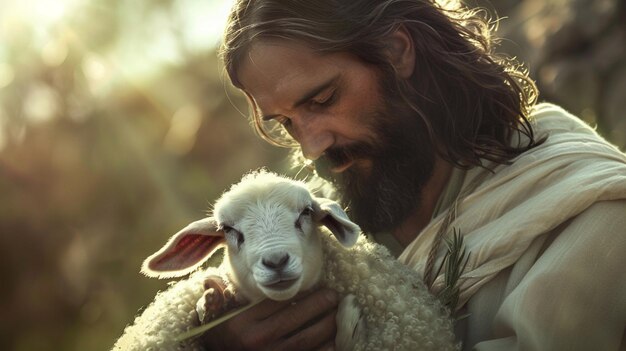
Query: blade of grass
212	324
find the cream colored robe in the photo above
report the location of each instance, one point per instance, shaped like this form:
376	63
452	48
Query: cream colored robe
547	237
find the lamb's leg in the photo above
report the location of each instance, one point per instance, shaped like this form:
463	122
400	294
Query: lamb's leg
217	299
350	324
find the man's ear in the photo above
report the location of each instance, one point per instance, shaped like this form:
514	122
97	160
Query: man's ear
185	250
330	214
401	51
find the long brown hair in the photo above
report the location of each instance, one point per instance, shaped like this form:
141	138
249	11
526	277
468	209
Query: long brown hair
472	101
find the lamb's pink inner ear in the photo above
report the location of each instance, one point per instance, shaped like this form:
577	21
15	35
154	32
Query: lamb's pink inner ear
187	252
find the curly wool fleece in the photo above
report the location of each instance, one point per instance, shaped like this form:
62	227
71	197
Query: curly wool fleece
400	312
171	313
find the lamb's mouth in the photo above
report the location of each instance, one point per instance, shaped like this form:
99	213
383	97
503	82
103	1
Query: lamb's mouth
281	284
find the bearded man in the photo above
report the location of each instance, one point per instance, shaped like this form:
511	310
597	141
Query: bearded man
423	131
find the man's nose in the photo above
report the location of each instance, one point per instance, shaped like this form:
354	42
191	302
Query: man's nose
313	140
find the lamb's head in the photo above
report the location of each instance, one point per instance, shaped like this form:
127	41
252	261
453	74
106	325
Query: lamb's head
270	227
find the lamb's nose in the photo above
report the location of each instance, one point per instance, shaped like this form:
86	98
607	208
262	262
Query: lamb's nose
276	262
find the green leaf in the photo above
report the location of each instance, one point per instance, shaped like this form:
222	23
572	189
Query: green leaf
454	263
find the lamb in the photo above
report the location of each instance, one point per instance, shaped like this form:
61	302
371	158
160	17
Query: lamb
276	246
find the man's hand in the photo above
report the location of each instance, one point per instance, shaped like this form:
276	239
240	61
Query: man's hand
306	322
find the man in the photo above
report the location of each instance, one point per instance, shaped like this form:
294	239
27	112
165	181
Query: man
424	132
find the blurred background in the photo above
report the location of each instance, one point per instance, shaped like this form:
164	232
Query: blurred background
117	127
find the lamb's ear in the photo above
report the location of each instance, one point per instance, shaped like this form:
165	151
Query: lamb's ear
185	250
330	214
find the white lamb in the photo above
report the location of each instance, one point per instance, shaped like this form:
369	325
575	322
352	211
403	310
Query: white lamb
271	226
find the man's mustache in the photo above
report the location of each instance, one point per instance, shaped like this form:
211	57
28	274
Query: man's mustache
339	155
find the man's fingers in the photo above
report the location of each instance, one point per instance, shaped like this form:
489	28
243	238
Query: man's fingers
304	323
268	308
319	336
301	311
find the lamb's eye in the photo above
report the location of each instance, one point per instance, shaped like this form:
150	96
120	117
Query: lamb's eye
307	211
233	236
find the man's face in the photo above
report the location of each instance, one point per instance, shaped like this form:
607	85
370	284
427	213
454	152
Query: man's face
362	137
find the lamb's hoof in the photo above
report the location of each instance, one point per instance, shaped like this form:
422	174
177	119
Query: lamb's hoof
350	324
213	301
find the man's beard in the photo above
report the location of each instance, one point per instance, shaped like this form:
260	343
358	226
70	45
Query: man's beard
402	157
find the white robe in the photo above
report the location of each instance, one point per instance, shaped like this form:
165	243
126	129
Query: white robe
547	237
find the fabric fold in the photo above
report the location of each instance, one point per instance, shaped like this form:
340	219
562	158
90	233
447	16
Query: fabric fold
517	203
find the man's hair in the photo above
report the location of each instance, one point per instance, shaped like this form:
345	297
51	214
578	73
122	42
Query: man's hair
471	101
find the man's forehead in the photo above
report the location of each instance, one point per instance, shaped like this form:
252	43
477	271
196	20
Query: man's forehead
282	71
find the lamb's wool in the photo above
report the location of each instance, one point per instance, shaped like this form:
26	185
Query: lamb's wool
172	312
400	312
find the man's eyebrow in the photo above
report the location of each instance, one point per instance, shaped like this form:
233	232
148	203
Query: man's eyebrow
308	96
